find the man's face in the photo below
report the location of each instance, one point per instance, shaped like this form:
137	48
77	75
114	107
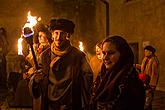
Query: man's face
59	37
110	55
147	53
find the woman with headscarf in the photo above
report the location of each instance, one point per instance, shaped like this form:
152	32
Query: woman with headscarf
96	60
117	86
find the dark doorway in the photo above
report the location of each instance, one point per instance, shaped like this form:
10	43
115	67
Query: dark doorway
135	48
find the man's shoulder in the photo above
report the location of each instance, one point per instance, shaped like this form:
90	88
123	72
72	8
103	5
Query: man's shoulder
155	59
77	52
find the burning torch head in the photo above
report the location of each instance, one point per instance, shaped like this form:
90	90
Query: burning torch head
27	31
28	35
28	28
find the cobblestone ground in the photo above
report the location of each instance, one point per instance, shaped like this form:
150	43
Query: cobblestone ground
158	102
7	97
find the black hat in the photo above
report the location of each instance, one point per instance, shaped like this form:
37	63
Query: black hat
150	48
62	24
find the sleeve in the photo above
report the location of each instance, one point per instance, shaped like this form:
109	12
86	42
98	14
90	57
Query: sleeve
87	80
34	88
44	60
143	64
154	74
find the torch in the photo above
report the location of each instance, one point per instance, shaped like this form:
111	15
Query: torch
81	46
20	55
28	33
28	36
20	46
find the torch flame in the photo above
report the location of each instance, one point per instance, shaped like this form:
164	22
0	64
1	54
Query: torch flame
39	19
31	21
20	46
81	46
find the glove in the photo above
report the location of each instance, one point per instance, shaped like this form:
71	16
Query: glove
39	76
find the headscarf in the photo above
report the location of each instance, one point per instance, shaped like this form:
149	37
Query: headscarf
109	85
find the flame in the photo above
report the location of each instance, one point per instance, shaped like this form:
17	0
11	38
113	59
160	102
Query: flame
31	21
39	19
81	46
20	46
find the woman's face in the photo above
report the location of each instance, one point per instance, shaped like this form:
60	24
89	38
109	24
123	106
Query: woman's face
42	37
98	52
110	55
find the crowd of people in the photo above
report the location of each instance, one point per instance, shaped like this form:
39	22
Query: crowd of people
66	80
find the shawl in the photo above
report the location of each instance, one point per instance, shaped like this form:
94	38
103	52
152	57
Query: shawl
109	86
57	54
72	84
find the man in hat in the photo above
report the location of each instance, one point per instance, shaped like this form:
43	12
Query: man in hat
149	67
69	76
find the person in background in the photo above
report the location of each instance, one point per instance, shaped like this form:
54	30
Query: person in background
42	47
117	86
150	67
96	60
4	49
68	78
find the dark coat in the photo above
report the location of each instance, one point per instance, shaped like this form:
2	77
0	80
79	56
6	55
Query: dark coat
134	96
69	81
39	91
127	93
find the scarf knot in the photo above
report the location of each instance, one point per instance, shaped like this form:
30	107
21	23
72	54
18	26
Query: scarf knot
61	51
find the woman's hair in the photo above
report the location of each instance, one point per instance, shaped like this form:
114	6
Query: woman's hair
126	54
48	35
43	28
99	44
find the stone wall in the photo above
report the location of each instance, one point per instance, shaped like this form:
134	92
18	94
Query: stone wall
141	21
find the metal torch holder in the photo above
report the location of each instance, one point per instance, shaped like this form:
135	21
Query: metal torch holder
28	36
